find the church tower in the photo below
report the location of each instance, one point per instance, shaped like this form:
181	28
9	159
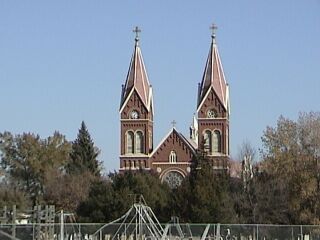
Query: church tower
213	109
136	115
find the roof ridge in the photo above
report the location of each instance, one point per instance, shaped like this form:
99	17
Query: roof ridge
173	129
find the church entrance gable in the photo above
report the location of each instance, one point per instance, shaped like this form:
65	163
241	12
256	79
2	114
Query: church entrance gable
173	150
173	153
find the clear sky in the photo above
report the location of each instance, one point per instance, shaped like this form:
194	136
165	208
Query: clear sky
62	62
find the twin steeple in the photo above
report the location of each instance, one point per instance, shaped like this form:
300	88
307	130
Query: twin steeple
210	126
213	76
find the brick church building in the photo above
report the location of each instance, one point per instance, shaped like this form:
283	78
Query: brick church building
209	131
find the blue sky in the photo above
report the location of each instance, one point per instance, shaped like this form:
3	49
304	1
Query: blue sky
62	62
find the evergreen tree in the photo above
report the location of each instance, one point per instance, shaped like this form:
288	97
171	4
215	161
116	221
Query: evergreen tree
83	156
112	197
208	195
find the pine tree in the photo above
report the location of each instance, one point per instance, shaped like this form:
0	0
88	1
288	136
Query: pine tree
208	193
83	156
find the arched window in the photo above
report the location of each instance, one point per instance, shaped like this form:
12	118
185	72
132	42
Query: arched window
139	142
207	141
173	157
130	142
216	146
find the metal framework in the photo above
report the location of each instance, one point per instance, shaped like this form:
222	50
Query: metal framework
139	222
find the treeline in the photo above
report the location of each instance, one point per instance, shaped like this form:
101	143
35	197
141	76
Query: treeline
283	187
47	171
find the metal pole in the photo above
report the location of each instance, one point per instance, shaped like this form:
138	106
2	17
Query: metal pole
5	217
14	215
46	213
38	221
140	221
61	226
292	238
136	225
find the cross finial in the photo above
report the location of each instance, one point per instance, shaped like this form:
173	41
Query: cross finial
213	29
137	30
173	123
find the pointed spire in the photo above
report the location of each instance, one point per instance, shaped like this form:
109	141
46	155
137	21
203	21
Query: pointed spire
194	129
213	75
137	77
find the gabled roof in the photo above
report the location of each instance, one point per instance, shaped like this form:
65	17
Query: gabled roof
137	79
193	145
188	143
213	76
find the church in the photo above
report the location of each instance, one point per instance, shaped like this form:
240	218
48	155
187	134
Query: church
171	158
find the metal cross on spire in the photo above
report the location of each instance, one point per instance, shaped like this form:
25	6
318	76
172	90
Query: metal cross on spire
213	29
137	30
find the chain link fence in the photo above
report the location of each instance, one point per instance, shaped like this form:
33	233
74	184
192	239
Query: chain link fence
169	232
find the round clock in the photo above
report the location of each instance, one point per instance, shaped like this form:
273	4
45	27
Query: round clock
211	113
134	114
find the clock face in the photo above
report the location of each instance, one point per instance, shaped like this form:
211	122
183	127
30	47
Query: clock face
134	114
211	113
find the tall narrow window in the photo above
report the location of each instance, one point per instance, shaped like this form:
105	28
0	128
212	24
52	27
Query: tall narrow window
227	141
130	142
216	141
139	142
173	157
150	141
207	141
